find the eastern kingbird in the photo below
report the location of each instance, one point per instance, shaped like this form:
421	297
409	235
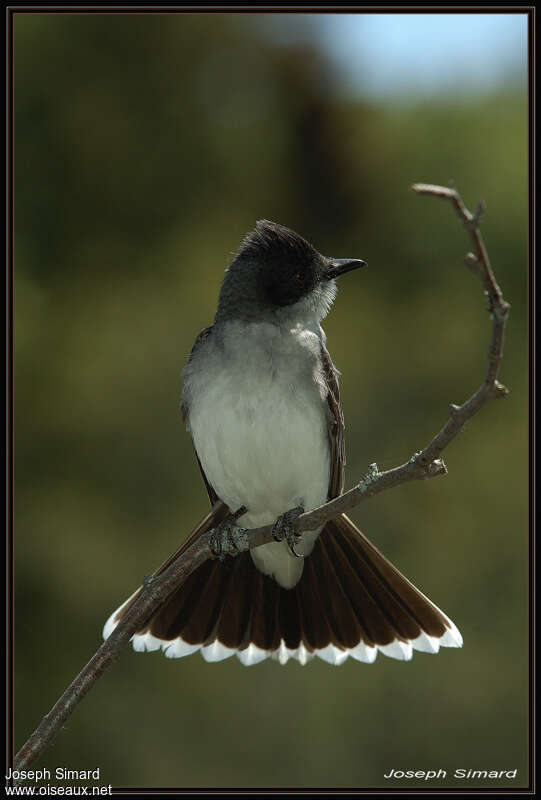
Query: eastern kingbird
262	404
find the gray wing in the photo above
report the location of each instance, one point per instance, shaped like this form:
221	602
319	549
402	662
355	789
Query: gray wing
201	338
335	426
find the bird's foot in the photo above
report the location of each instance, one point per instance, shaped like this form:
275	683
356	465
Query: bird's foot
284	528
222	540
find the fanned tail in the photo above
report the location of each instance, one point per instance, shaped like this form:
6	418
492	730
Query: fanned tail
350	602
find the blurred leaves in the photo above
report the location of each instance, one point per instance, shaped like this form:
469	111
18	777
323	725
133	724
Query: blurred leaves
146	146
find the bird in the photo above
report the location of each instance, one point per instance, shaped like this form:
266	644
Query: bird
261	402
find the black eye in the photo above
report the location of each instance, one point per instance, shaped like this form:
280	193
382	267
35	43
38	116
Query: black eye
299	277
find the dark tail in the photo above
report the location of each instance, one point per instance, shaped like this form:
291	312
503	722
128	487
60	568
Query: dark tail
350	601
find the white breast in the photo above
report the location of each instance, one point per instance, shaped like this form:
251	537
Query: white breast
258	417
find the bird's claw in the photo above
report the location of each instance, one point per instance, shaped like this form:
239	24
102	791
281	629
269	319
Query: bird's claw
222	539
284	528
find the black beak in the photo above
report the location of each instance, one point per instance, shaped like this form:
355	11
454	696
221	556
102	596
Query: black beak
339	266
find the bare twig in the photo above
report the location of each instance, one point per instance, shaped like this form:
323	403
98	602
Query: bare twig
424	464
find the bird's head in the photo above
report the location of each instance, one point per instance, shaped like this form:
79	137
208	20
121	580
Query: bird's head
278	273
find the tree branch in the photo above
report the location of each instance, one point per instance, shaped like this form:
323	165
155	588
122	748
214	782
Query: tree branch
422	465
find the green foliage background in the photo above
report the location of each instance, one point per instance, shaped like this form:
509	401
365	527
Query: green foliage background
145	147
